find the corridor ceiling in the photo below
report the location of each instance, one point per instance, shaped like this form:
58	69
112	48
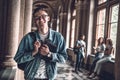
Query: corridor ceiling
53	5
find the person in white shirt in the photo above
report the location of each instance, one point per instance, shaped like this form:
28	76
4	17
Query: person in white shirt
107	57
81	45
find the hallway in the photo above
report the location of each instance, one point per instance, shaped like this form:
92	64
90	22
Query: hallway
65	72
70	18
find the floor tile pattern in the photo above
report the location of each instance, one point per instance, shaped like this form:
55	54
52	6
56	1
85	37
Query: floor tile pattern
66	72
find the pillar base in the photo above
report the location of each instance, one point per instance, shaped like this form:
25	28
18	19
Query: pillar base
8	62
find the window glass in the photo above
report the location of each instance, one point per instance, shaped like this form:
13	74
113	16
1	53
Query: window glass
100	31
100	23
101	1
113	33
115	10
113	24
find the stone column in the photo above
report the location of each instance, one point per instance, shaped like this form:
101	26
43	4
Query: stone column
28	16
22	11
78	19
63	21
85	15
90	28
60	26
12	33
64	24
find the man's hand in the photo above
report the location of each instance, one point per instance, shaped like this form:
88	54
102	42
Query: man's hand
94	47
80	46
44	50
37	45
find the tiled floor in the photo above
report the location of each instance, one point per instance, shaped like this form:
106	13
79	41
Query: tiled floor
7	74
65	72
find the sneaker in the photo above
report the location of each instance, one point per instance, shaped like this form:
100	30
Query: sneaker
75	71
87	74
95	78
80	70
91	76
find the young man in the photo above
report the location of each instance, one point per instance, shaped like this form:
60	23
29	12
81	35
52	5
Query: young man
39	51
81	45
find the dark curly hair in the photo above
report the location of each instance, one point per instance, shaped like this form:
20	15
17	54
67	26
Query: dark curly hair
41	7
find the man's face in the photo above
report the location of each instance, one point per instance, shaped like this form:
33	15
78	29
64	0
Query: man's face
41	19
82	37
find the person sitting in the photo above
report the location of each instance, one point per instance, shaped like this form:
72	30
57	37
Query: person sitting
99	53
107	57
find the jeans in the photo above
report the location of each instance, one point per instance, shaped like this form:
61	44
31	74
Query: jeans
98	56
79	58
94	64
100	62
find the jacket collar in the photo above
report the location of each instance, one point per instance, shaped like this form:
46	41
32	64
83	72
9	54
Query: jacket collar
50	34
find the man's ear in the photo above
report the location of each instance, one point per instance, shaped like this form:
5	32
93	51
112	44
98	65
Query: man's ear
48	18
34	20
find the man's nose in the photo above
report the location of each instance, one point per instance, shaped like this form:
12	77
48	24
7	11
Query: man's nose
41	18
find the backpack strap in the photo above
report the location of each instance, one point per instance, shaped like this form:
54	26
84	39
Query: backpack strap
33	36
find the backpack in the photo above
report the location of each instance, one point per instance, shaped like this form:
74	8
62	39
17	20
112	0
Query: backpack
75	49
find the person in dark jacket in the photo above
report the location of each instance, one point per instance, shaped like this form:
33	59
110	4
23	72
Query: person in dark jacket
39	51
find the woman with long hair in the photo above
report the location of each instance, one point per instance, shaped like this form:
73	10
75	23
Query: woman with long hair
107	57
99	53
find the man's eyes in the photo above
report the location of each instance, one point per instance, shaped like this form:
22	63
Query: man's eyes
42	16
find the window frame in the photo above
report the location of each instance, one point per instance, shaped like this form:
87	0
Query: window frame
106	5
